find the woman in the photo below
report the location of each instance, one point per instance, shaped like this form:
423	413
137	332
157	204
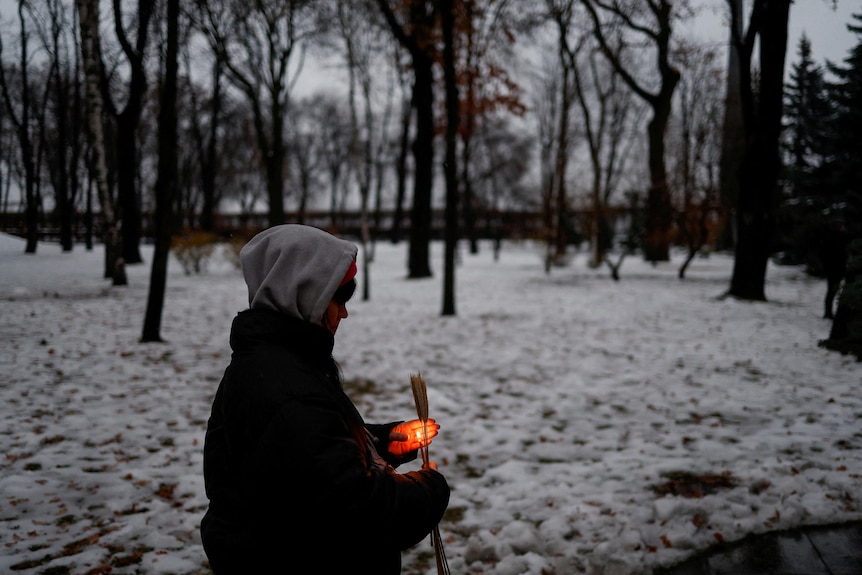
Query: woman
297	482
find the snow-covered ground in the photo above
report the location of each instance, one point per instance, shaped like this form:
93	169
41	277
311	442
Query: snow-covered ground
578	415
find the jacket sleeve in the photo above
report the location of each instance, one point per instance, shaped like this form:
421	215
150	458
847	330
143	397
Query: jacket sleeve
417	509
312	442
381	432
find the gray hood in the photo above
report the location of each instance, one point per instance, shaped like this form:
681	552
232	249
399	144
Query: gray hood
295	269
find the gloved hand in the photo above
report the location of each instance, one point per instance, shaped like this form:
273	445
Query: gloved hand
411	435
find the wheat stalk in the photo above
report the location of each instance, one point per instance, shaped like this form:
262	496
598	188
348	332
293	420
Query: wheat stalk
420	398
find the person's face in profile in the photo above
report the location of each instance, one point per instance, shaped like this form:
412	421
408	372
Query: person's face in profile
335	312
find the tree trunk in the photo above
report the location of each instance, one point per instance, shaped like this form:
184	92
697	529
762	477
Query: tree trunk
127	123
560	238
423	163
78	148
166	185
659	213
597	251
59	155
469	122
401	173
468	200
451	163
127	194
210	155
360	153
22	127
733	139
275	163
419	42
88	18
88	210
65	155
548	185
658	208
761	163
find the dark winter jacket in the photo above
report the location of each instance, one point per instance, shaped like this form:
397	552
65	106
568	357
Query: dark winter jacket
291	475
297	482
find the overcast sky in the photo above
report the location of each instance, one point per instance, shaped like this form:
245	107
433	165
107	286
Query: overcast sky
825	27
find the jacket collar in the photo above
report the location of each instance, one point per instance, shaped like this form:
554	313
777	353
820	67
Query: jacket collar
255	326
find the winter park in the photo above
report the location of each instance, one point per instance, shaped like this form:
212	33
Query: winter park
570	407
621	243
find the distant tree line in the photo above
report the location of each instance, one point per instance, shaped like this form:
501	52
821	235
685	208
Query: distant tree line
572	109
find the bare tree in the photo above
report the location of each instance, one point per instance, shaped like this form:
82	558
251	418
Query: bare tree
240	177
401	155
382	152
653	21
547	107
26	122
166	185
206	133
308	121
486	33
732	141
609	118
368	128
88	20
257	41
416	35
450	164
699	152
63	141
562	13
502	159
333	126
7	160
127	121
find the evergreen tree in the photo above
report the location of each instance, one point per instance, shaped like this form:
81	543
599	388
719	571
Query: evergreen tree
806	110
806	113
840	173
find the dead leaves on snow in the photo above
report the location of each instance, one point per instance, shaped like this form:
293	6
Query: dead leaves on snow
692	485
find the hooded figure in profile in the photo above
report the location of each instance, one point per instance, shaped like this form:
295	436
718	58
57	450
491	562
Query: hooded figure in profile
294	476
